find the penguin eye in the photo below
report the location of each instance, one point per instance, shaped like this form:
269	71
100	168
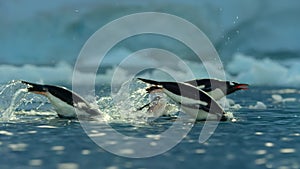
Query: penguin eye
233	83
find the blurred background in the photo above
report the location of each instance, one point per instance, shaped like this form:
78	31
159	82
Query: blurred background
257	41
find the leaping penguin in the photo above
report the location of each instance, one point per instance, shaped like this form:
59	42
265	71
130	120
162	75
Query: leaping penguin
217	88
193	101
64	100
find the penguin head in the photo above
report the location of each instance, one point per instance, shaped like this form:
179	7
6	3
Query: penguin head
36	88
152	89
234	86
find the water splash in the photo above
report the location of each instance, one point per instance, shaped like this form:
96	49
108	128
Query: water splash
122	105
7	91
14	90
8	114
16	102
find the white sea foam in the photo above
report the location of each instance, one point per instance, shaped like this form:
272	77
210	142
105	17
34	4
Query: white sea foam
242	68
263	71
227	104
259	105
278	98
61	72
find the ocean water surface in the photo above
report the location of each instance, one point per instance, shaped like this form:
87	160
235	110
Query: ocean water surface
264	135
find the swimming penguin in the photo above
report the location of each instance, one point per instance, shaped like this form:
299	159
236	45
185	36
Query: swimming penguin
63	100
217	88
193	101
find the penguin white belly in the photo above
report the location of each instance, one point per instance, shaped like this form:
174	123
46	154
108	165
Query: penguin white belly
199	115
184	100
61	107
217	94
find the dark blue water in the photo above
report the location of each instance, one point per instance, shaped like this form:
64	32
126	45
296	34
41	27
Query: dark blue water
261	138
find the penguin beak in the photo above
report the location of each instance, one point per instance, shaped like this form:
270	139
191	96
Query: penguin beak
242	87
37	92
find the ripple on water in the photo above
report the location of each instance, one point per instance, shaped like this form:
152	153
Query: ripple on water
58	148
47	127
261	152
35	162
3	132
269	144
200	151
287	150
18	147
67	166
85	152
260	161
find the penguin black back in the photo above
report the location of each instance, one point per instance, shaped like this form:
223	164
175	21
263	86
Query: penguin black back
62	93
209	85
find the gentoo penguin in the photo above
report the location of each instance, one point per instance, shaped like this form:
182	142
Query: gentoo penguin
193	101
217	88
63	100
